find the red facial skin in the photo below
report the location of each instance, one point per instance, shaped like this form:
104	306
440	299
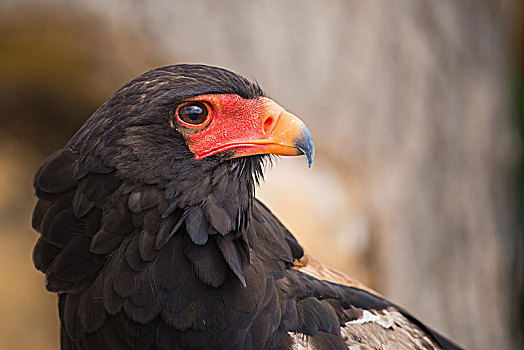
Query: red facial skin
243	126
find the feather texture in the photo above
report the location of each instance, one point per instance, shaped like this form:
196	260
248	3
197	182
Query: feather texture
148	247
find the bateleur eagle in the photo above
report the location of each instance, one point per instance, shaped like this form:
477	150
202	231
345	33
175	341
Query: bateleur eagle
151	236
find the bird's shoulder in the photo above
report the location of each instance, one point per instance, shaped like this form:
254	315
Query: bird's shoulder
327	309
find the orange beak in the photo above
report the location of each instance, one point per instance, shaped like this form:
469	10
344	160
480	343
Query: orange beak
249	127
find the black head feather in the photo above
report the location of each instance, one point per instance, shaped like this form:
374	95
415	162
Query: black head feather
130	132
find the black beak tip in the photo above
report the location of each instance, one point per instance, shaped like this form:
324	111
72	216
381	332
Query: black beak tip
305	144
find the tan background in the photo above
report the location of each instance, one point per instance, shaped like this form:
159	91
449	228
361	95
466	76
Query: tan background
408	101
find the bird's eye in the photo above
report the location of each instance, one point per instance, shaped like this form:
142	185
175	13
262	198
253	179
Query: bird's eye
193	113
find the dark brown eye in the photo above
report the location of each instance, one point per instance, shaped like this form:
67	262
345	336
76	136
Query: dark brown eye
193	113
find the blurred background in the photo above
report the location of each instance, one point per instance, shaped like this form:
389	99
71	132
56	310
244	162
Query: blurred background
416	108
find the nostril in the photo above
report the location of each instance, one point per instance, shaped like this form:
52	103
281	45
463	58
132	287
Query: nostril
267	124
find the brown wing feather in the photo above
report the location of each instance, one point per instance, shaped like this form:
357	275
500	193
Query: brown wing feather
310	265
